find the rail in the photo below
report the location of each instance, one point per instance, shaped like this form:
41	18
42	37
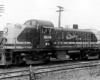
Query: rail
13	74
32	71
65	66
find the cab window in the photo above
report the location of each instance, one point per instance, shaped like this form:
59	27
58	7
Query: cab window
46	30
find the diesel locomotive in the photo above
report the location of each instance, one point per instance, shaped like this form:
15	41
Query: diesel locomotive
37	41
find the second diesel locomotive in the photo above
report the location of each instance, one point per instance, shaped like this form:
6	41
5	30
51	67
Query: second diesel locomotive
38	41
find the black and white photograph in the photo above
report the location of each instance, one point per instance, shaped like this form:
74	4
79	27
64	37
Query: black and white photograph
49	40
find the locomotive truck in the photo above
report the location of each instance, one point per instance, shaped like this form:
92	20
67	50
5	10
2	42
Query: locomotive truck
37	41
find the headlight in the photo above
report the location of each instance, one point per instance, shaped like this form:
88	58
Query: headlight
47	43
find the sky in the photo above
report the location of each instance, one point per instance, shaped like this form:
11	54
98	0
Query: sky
85	13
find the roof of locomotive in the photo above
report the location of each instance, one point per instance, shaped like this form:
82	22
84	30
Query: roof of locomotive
42	22
74	30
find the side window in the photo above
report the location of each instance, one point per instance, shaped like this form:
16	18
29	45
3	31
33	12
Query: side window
43	30
27	23
46	30
84	37
88	37
68	36
93	37
33	23
57	33
74	36
62	35
37	26
78	37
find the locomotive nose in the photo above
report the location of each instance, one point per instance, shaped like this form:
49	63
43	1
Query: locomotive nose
28	34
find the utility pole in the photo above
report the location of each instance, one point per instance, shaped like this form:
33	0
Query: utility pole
59	20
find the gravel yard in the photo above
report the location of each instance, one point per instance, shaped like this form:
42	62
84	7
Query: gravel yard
18	78
87	73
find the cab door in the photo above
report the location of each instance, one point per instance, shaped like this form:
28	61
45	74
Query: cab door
45	37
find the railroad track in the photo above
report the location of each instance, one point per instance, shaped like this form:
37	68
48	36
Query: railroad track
13	74
23	72
55	67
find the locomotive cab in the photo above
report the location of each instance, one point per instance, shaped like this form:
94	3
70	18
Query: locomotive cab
46	37
36	32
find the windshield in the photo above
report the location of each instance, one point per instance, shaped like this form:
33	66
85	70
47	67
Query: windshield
46	30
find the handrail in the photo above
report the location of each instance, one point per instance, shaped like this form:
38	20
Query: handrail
28	44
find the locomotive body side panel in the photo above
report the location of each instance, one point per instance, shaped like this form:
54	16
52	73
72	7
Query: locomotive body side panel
72	38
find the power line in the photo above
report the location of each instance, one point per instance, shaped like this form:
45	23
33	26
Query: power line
1	9
60	10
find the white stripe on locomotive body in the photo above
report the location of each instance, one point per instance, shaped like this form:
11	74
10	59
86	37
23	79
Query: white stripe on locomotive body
75	42
17	47
11	32
77	45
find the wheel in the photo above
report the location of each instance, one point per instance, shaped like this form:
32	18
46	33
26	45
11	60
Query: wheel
16	60
46	59
85	57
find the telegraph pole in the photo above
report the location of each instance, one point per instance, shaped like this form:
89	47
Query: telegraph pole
59	20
